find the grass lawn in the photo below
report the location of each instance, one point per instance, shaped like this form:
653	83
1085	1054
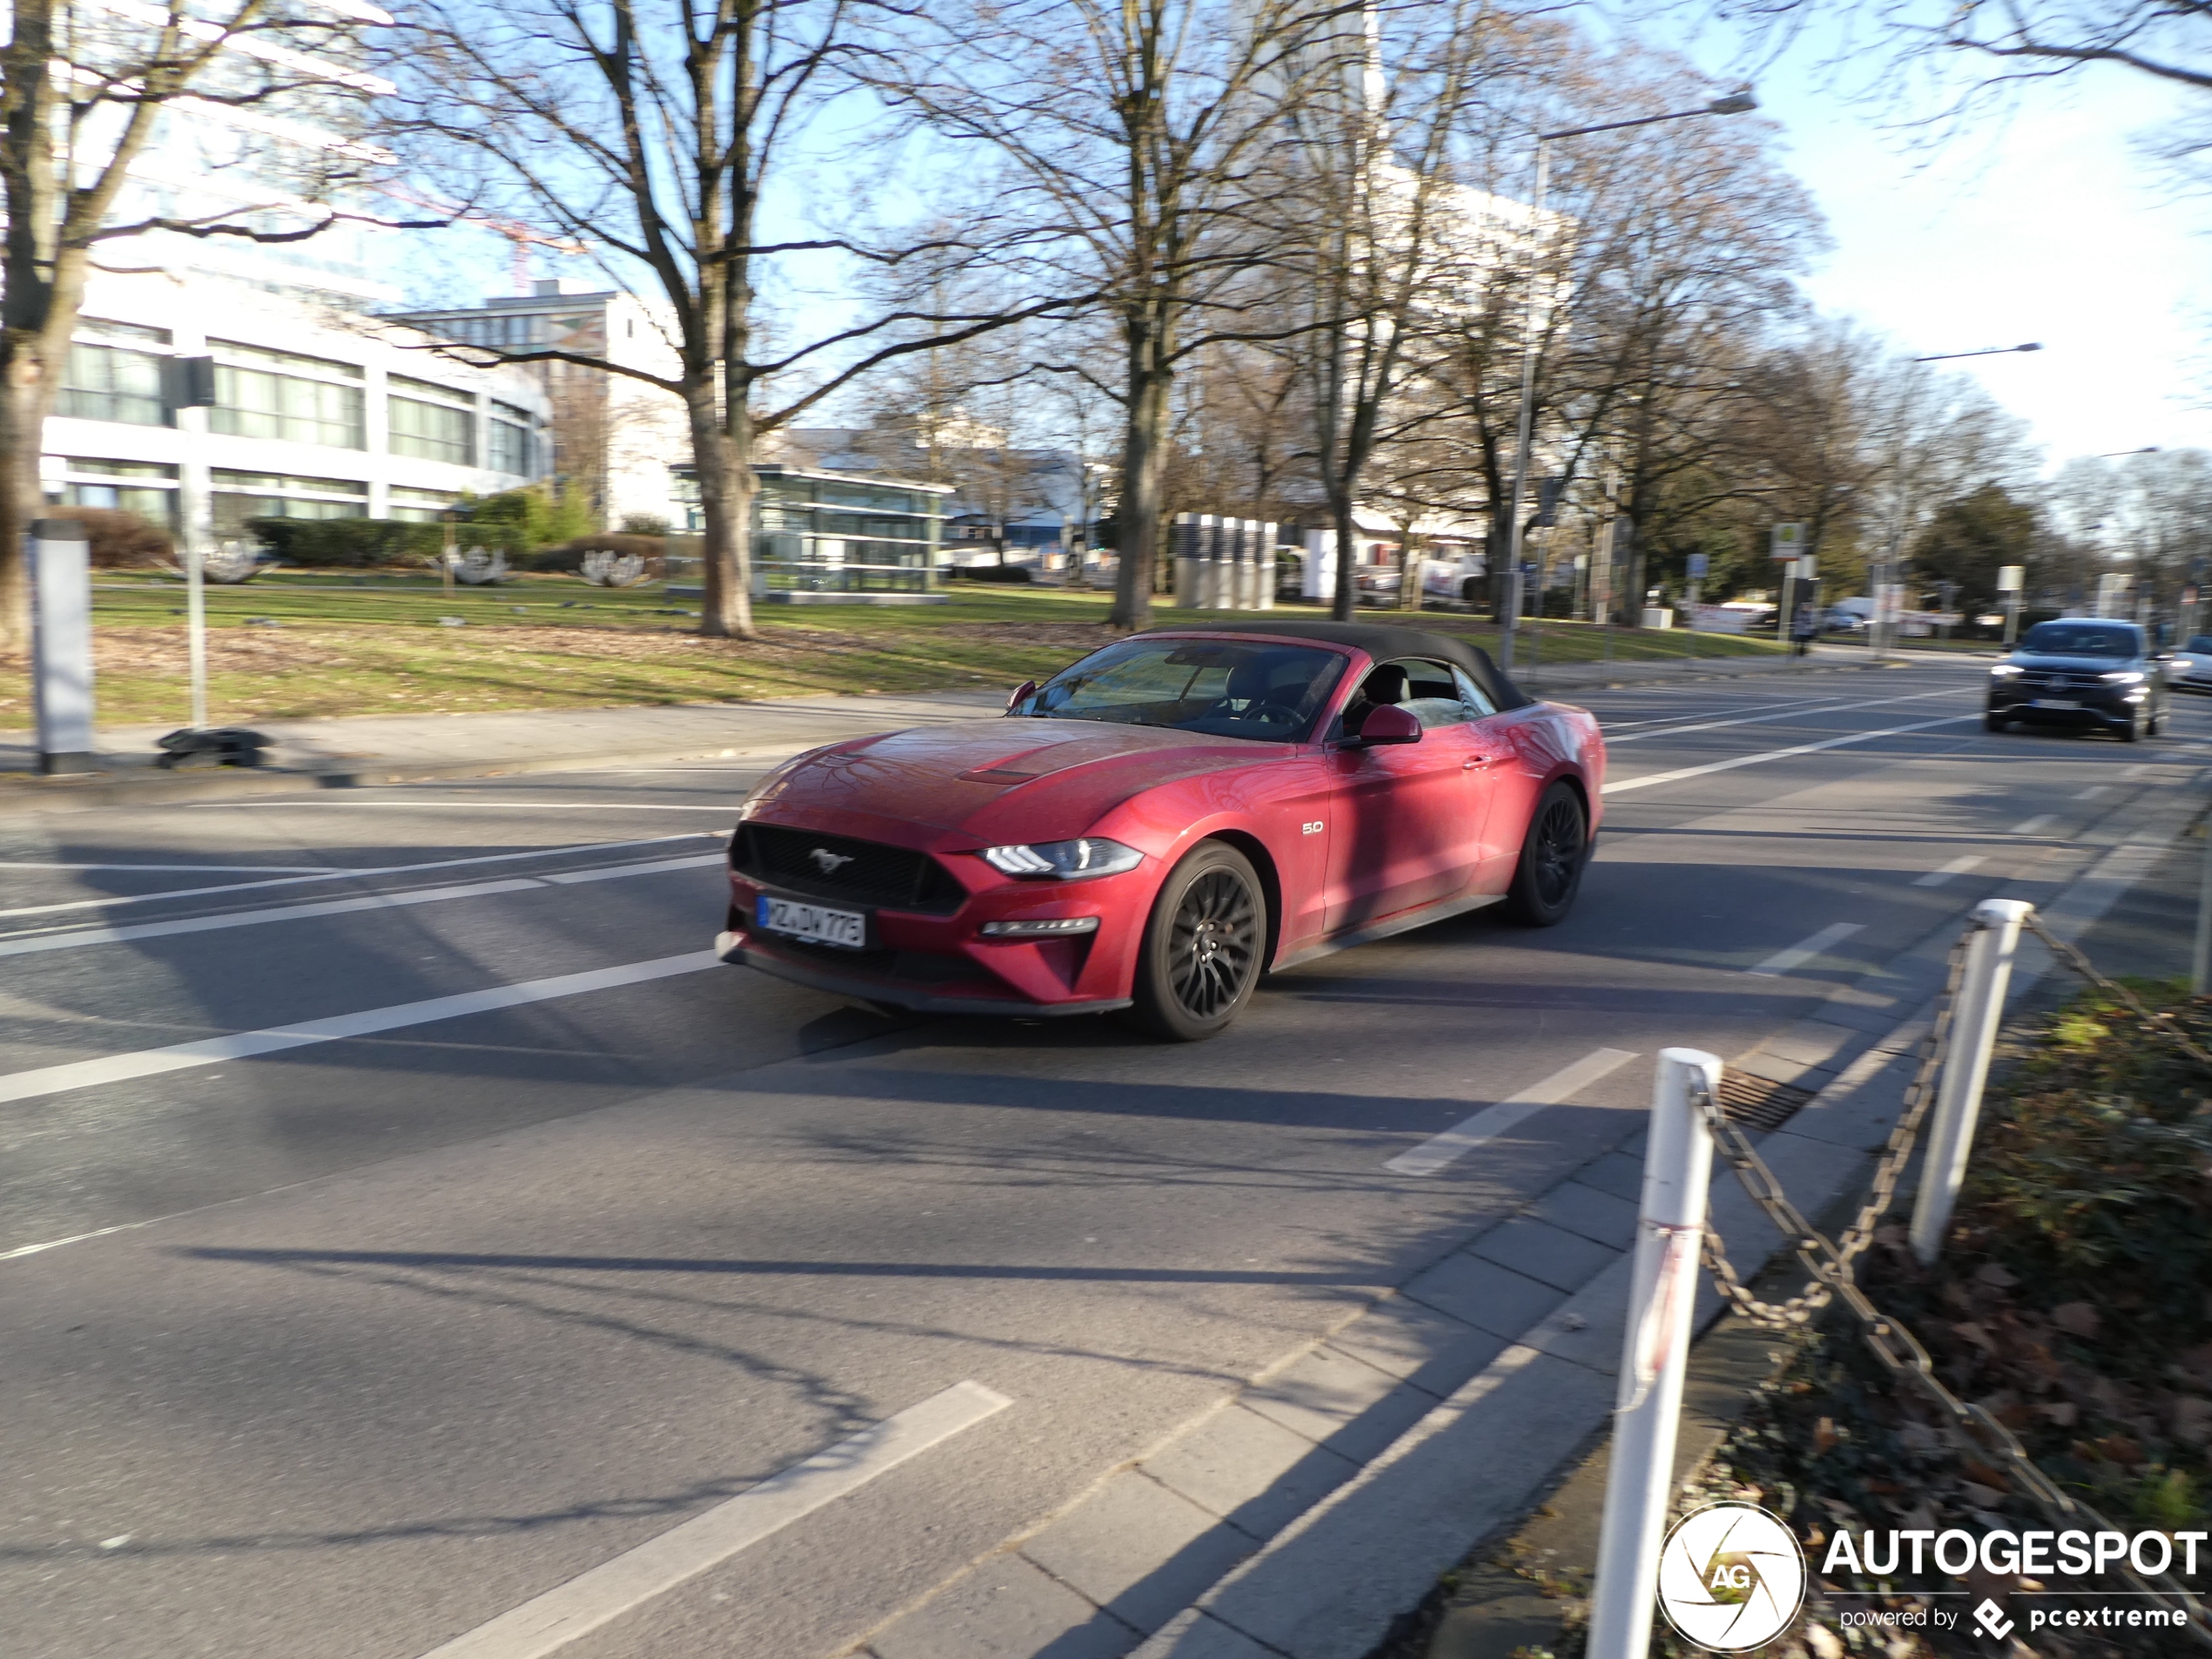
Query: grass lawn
304	645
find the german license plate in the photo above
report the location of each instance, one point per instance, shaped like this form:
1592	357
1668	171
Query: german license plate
847	929
2057	703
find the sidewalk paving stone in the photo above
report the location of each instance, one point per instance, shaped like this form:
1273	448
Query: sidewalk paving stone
1494	1298
1140	1551
1252	1472
1548	1254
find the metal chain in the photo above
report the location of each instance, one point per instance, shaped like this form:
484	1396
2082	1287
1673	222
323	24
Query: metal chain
2163	1024
1831	1267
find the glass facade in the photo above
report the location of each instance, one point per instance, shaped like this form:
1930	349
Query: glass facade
510	439
236	496
254	403
432	431
146	488
108	383
824	535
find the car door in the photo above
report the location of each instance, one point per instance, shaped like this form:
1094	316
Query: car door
1407	818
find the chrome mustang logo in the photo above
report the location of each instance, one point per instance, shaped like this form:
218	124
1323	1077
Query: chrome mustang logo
827	862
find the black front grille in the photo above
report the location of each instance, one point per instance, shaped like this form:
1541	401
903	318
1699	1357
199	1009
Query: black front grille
897	878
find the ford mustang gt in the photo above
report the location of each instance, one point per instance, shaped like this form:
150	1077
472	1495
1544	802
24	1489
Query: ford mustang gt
1159	824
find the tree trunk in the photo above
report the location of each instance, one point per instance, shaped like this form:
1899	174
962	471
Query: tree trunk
726	491
25	393
1347	601
1144	471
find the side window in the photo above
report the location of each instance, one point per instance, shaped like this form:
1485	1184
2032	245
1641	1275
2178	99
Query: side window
1432	694
1471	695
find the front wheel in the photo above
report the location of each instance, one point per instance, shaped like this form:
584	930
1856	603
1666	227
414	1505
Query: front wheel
1552	856
1203	944
1994	723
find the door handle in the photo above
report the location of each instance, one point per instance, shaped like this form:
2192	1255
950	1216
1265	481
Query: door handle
1480	760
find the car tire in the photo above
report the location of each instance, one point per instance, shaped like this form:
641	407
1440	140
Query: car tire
1204	945
1994	723
2131	730
1553	854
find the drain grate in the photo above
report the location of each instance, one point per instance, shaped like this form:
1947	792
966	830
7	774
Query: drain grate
1756	1103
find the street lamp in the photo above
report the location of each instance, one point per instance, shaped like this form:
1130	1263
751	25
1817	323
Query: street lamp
1987	351
1738	103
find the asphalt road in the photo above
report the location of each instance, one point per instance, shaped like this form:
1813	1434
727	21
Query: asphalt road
337	1324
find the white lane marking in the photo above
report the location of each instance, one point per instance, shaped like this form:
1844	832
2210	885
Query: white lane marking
1766	720
2035	826
1805	950
182	1056
1440	1151
2142	770
569	877
74	1238
209	869
1780	754
483	805
548	1623
341	875
2092	793
1957	867
78	938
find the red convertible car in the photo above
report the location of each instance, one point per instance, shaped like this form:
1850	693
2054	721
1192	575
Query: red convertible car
1159	824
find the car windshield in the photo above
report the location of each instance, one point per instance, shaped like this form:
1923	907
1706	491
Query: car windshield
2200	642
2081	639
1222	688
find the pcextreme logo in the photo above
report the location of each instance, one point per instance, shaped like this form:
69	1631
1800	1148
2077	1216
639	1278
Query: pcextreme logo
1731	1577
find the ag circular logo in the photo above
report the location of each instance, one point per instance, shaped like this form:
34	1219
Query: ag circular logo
1731	1577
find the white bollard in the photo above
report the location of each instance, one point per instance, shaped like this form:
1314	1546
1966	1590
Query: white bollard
196	629
1654	1353
2201	957
61	685
1974	1020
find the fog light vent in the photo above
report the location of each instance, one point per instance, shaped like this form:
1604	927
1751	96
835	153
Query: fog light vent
1041	927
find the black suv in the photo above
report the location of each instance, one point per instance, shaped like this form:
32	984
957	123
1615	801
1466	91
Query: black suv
2083	671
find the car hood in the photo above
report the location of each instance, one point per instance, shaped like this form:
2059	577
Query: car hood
2075	664
999	779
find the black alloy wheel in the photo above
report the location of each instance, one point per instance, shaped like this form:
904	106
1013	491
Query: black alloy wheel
1994	722
1202	945
1552	856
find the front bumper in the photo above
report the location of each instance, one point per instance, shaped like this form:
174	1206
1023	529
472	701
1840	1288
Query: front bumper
741	950
2099	705
940	961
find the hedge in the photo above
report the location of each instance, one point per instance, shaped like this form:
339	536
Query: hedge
353	541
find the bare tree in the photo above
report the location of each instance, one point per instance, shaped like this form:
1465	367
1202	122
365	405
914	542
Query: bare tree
1126	135
654	129
81	93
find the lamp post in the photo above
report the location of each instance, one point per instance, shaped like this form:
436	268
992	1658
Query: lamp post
1733	104
1986	351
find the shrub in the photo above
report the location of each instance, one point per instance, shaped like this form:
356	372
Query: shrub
347	542
121	540
520	520
990	572
643	525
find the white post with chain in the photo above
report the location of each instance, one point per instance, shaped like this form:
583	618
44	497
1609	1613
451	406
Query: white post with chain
1654	1354
1974	1020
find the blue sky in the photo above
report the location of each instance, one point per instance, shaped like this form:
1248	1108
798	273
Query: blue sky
2041	222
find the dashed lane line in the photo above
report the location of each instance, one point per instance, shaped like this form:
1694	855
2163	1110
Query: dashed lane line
77	939
1805	950
1787	714
351	874
548	1623
1680	774
1440	1152
2035	826
1957	867
242	1045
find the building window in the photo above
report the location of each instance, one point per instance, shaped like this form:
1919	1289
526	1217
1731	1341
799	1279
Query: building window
237	496
142	486
511	441
418	506
445	430
108	383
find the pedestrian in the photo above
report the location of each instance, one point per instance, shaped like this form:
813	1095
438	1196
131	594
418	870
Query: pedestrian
1805	628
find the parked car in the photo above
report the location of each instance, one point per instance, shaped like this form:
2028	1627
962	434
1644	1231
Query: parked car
2084	671
2191	669
1159	824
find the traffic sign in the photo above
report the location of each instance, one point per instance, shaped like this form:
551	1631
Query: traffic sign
1699	564
1789	541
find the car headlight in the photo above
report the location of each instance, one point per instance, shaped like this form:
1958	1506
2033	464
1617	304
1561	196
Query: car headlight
2004	670
1063	861
2122	676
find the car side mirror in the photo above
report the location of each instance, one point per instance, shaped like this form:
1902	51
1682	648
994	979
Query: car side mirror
1388	723
1020	692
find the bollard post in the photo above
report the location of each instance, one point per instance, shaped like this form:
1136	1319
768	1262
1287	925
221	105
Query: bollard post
1980	1010
196	628
61	607
1654	1351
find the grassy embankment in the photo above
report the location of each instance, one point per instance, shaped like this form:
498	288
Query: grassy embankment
298	645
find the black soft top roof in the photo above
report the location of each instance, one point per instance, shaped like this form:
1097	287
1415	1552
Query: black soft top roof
1383	643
